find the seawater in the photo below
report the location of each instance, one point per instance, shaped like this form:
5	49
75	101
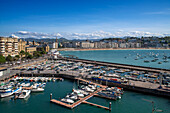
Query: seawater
118	56
131	102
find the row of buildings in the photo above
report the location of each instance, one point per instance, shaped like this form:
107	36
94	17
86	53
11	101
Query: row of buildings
12	46
100	44
145	42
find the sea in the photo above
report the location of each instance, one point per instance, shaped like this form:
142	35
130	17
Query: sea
131	102
126	57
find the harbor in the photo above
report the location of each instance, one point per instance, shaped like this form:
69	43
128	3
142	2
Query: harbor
136	80
94	79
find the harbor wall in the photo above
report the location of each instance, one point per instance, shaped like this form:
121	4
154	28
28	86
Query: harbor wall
158	92
118	65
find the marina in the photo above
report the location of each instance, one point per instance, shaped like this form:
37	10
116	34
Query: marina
83	100
94	79
136	79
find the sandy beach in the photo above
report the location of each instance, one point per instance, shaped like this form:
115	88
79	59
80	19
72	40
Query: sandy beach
92	49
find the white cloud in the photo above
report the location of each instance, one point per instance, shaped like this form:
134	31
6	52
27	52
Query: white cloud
13	36
92	35
26	34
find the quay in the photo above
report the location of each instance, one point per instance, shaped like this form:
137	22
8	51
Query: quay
13	72
137	86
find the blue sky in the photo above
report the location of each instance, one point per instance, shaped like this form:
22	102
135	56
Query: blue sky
84	18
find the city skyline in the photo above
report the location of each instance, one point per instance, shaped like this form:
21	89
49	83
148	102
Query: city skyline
86	19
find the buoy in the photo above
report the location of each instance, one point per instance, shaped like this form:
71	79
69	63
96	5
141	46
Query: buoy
110	106
51	96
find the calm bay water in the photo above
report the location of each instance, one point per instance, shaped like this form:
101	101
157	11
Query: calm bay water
131	102
118	56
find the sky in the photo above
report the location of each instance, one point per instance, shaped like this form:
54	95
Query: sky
84	19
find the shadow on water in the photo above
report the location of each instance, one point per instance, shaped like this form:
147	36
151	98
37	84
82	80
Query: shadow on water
6	99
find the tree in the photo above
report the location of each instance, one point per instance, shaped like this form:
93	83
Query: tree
43	52
37	54
2	59
22	53
29	56
17	56
9	58
26	54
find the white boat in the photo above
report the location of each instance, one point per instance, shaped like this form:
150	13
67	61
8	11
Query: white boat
74	97
43	85
92	87
88	89
25	84
36	89
4	92
67	100
83	92
54	79
24	94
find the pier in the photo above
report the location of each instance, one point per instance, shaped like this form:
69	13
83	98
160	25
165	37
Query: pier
83	100
100	106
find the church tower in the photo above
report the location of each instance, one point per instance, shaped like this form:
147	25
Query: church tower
56	43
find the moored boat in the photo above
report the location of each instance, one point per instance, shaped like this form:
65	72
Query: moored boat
24	94
4	92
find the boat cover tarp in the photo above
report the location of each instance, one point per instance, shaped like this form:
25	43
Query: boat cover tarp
106	80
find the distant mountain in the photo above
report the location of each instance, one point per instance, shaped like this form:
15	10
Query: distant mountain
59	40
45	39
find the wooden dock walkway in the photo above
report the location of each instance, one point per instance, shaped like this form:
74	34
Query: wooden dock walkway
78	102
83	100
100	106
61	103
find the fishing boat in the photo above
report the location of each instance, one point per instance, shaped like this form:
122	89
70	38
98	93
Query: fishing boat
146	61
159	62
165	61
153	60
24	94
